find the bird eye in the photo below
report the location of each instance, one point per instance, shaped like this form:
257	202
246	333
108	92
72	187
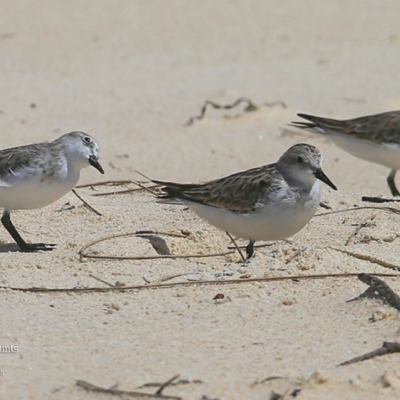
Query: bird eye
87	139
300	160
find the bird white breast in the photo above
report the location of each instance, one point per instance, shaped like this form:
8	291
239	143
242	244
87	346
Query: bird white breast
281	218
383	154
33	193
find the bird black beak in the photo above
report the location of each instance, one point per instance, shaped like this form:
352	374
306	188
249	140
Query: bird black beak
94	163
319	174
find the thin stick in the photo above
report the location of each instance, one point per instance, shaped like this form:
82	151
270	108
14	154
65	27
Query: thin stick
126	191
324	205
146	188
388	209
371	259
187	283
250	107
137	233
291	258
269	378
176	383
159	256
101	280
361	225
104	183
164	385
379	200
142	175
93	388
387	348
151	232
86	204
166	278
236	246
83	255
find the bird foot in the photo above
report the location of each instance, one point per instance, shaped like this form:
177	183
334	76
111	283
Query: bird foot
32	247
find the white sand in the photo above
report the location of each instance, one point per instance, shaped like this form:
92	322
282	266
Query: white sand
131	74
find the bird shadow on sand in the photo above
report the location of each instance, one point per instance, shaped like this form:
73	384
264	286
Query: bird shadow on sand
158	243
9	248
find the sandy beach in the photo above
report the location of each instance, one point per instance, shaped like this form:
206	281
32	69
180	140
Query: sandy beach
132	74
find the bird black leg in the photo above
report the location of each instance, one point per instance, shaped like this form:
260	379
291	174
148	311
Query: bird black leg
28	247
250	249
392	185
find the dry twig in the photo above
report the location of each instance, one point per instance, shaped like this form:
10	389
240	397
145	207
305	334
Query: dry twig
126	191
387	348
324	205
142	175
104	183
175	383
120	183
267	379
236	247
86	204
167	383
83	254
147	188
387	209
371	259
296	254
249	107
101	280
166	278
184	284
158	395
361	225
378	200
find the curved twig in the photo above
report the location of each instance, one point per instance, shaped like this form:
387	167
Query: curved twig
83	254
249	107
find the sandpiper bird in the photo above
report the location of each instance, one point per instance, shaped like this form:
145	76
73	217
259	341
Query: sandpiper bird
36	175
374	138
271	202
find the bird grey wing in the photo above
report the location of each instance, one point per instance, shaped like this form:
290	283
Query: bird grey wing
240	192
371	127
380	127
13	160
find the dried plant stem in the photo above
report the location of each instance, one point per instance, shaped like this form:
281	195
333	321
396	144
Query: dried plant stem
249	107
86	204
361	225
371	259
158	395
188	283
83	254
387	348
387	209
127	191
236	246
104	183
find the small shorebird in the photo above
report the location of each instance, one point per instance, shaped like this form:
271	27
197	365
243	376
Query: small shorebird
271	202
36	175
374	138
